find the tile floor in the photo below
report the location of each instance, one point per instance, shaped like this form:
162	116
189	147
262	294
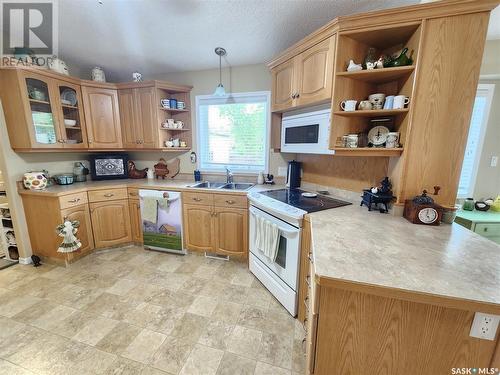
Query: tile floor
131	311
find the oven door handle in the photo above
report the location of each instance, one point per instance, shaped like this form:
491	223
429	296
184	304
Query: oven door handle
290	232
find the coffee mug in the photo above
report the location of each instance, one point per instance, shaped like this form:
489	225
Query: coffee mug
400	101
165	103
169	143
173	103
377	100
348	105
181	105
365	105
183	144
352	141
170	122
389	102
392	140
176	142
179	124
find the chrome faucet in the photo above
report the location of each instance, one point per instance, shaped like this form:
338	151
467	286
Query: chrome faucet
229	176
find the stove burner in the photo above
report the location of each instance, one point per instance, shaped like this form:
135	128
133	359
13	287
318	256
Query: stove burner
294	198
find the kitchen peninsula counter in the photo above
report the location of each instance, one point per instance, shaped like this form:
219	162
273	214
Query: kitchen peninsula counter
388	256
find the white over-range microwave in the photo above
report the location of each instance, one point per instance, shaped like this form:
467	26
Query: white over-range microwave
306	132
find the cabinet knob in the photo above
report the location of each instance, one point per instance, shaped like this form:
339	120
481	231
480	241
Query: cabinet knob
90	141
230	201
74	200
196	199
108	195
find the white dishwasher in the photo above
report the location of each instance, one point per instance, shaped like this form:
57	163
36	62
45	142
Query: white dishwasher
161	220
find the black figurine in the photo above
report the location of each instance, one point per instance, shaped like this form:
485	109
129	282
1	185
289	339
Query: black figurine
380	197
36	261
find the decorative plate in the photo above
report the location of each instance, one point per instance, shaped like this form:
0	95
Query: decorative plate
69	96
378	135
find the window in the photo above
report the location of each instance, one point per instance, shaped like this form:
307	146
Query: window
477	129
233	132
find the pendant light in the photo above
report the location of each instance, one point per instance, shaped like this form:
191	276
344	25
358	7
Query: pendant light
220	91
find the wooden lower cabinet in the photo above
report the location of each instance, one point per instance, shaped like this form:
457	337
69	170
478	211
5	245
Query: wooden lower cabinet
231	231
219	226
84	233
198	227
135	220
111	223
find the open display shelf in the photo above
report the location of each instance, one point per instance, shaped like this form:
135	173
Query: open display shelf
371	113
183	115
358	85
368	151
379	75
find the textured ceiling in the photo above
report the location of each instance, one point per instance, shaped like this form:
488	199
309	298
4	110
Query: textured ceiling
162	36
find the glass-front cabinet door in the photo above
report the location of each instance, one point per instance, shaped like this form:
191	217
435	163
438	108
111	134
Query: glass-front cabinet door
45	131
71	118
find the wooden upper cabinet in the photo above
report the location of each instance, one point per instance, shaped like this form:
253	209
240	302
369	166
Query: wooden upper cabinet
304	79
103	117
138	117
128	116
231	231
283	86
146	116
198	227
315	73
70	115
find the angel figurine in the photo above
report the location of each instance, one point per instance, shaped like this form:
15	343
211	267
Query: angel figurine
67	230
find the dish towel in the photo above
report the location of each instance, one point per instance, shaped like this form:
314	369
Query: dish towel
163	204
267	238
150	209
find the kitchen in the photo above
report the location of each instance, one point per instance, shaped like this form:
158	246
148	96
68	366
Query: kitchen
156	312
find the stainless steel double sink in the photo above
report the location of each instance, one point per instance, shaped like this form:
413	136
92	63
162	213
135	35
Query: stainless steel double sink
223	185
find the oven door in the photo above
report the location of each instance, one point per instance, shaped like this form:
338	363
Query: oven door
306	133
287	261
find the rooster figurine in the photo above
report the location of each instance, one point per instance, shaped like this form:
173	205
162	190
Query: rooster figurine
133	172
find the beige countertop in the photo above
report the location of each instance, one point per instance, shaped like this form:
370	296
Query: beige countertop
167	184
367	249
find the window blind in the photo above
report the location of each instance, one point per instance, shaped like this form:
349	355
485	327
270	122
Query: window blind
475	139
232	132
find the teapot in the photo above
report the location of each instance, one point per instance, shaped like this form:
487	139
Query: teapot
57	65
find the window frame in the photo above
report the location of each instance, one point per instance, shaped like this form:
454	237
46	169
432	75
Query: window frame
486	90
200	98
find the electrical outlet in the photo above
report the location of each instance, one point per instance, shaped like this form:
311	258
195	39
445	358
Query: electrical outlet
494	161
282	171
484	326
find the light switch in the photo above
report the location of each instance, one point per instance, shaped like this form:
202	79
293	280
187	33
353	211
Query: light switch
494	161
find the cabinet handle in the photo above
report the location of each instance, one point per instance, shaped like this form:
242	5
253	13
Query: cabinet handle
133	194
108	195
74	200
90	141
308	281
309	256
196	199
230	201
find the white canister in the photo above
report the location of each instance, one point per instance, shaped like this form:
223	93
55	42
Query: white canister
392	140
150	173
98	75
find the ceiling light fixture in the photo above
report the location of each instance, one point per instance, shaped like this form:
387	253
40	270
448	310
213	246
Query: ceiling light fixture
220	91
